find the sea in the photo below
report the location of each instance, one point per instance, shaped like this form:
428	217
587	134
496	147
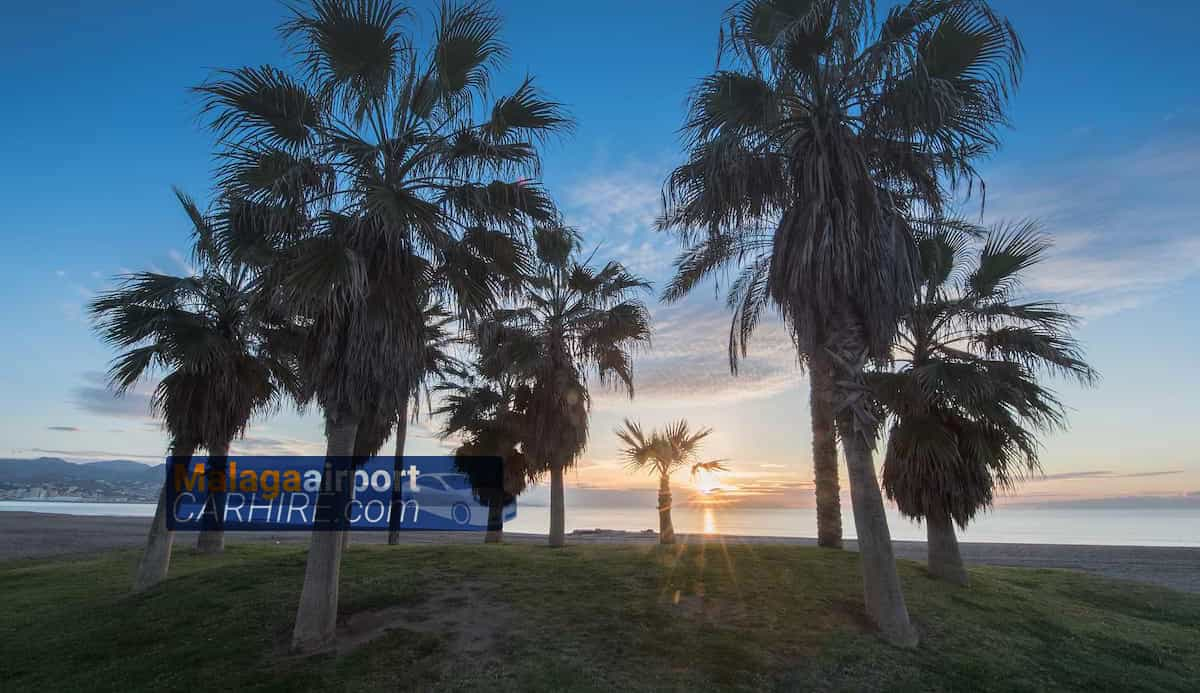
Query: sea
1004	524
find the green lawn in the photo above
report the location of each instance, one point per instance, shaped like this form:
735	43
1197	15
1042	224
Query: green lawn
583	618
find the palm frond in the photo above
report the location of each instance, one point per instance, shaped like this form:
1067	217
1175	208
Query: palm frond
524	115
1010	249
350	48
466	48
263	104
967	407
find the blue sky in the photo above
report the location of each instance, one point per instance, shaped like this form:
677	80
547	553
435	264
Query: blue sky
98	124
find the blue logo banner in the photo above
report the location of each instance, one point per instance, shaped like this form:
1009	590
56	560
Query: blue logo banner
305	493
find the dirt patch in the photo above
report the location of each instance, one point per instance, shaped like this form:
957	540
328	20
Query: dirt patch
700	607
466	615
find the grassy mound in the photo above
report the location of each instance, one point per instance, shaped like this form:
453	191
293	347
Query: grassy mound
583	618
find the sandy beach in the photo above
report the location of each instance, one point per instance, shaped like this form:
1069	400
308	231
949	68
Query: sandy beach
34	535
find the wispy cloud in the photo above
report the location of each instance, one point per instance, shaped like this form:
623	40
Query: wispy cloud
1125	225
689	360
65	429
275	445
615	208
96	454
620	200
183	263
97	398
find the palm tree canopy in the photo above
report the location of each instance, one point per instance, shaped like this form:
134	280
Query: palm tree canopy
436	364
485	410
222	362
965	400
375	174
828	129
571	318
664	452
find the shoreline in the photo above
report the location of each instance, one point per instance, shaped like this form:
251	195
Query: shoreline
1184	530
31	535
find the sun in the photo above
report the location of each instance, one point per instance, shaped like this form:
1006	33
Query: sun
706	482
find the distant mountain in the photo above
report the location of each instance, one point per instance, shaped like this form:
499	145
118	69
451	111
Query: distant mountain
48	470
1187	501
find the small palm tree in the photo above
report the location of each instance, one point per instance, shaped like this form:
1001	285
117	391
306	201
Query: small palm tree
485	409
965	400
222	362
361	175
808	155
663	453
572	318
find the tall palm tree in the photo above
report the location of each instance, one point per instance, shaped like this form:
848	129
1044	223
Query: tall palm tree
808	154
663	453
222	362
437	364
964	398
366	172
394	410
571	318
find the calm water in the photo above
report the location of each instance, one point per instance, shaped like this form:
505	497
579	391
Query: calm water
1142	527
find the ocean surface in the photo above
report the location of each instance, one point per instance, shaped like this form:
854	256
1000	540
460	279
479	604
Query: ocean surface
1019	525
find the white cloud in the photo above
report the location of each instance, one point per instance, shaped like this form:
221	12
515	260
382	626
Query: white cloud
178	258
96	397
625	200
262	442
615	209
1126	226
689	360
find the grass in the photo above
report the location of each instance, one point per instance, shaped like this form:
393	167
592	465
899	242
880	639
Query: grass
584	618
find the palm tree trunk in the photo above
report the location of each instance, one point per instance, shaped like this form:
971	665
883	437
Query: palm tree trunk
361	456
881	583
824	444
316	617
666	530
495	527
857	428
945	562
396	515
156	558
558	522
212	524
346	532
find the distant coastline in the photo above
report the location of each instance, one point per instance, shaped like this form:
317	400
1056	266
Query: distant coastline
1024	525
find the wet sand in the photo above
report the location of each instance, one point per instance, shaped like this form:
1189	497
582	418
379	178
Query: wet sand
35	535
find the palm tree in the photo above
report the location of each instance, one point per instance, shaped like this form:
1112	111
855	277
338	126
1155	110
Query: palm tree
382	416
485	408
222	364
808	154
664	453
437	364
365	175
965	403
571	318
